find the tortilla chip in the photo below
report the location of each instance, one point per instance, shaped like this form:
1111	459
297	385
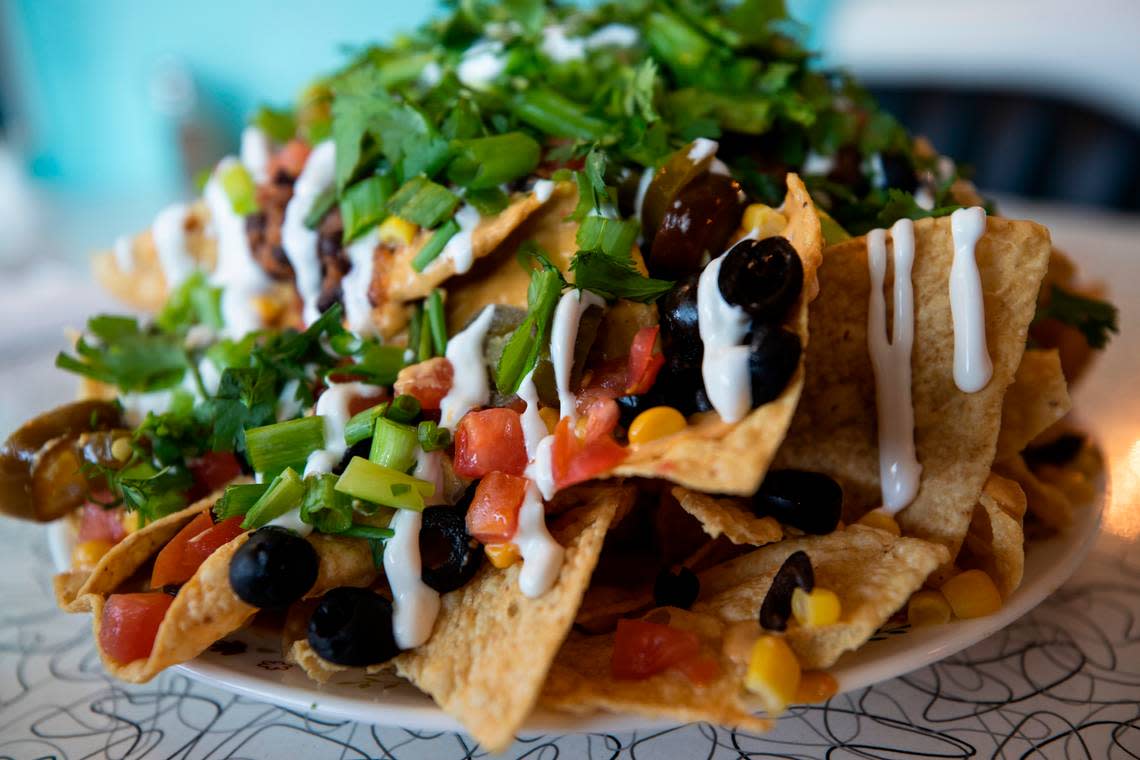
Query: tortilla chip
316	667
995	542
492	646
711	455
834	429
1037	397
580	680
1044	501
872	571
603	605
729	517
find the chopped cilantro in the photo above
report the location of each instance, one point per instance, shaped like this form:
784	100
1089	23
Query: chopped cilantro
1095	319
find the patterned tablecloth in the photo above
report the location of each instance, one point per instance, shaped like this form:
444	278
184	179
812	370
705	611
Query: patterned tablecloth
1063	681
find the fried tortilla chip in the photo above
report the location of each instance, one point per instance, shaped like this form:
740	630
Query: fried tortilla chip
711	455
1037	397
581	682
834	429
1044	501
872	571
728	517
492	646
995	542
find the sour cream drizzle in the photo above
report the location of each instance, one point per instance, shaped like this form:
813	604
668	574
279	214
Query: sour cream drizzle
542	555
899	470
469	386
299	242
255	152
972	365
459	249
169	233
724	367
124	254
415	605
333	406
702	149
355	285
563	335
543	189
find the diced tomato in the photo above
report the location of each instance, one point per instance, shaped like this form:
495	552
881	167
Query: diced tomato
290	159
99	524
428	381
602	417
644	364
701	670
489	440
129	624
493	516
574	460
211	471
608	378
643	649
185	553
358	404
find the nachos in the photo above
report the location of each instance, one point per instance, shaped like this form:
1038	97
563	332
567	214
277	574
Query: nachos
592	359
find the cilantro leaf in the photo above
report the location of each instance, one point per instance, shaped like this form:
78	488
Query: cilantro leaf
612	278
1094	318
117	351
902	205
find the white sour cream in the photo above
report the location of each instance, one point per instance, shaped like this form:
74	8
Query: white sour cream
543	189
642	188
702	149
534	429
469	386
724	367
542	556
560	48
429	467
459	250
430	75
255	153
972	366
899	470
482	64
563	335
815	163
613	35
123	251
169	233
288	406
239	276
415	605
299	242
355	285
333	407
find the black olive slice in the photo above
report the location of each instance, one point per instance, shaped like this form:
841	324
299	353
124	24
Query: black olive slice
810	501
353	626
448	554
676	588
763	277
773	359
274	568
796	572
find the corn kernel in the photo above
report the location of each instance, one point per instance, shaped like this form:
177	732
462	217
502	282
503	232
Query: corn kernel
549	417
502	556
818	607
132	521
773	673
658	422
878	518
397	230
928	608
268	309
972	594
121	449
88	553
816	686
765	220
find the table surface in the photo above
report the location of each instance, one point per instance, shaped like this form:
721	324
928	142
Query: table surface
1061	682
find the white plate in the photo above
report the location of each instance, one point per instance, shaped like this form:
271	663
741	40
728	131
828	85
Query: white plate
250	662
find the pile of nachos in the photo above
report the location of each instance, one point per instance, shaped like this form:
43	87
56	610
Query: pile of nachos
598	359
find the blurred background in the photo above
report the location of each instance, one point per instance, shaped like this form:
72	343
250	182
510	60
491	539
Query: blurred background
108	109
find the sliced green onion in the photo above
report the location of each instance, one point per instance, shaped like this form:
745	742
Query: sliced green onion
555	115
272	448
675	41
284	493
404	408
612	237
430	250
365	204
487	202
238	499
325	508
437	322
240	188
321	206
381	485
487	162
423	350
433	437
382	364
371	532
393	445
520	354
423	202
361	425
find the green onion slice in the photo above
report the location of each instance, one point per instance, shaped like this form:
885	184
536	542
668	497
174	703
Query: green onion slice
423	202
273	448
284	493
430	250
394	445
240	188
382	485
365	204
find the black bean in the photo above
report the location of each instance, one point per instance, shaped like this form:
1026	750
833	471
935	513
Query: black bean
796	572
676	588
810	501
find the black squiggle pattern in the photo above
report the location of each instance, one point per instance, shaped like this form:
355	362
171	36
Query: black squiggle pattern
1062	682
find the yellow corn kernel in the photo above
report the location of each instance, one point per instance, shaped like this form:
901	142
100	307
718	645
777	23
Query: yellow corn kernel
773	673
549	417
767	221
121	449
927	607
397	230
655	423
132	521
972	594
268	308
502	556
818	607
816	686
88	553
881	519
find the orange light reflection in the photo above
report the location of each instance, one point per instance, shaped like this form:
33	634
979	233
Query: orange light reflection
1122	513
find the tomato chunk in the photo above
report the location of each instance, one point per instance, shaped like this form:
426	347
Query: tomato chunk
428	381
130	623
97	523
644	364
489	440
574	460
290	159
493	516
643	649
701	670
211	471
185	553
